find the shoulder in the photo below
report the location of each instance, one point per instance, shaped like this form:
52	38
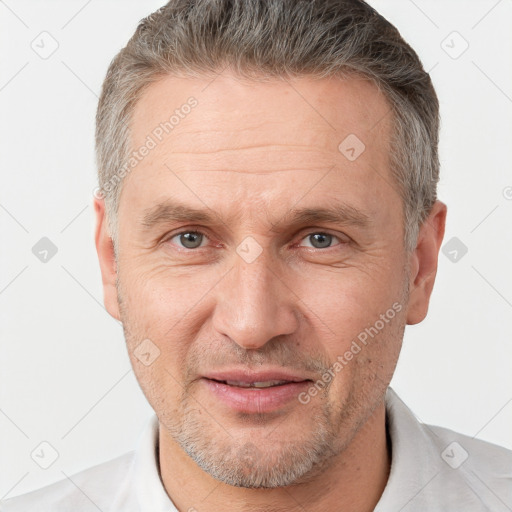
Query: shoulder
89	490
435	468
469	474
487	456
473	459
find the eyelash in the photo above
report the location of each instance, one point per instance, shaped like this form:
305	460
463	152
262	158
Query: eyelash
198	231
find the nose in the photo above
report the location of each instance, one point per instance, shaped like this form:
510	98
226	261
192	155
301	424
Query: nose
253	304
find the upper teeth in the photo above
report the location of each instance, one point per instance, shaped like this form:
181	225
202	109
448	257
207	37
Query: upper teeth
264	384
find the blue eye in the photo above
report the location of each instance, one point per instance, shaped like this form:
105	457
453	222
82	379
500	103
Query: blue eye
190	239
320	240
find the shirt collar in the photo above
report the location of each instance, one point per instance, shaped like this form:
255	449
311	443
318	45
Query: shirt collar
412	464
149	488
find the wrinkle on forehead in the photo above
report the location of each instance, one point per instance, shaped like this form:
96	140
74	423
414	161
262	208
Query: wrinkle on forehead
230	114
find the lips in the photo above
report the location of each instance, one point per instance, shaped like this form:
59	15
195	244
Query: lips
260	379
255	392
246	376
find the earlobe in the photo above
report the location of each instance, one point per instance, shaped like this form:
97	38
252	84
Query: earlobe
423	263
107	260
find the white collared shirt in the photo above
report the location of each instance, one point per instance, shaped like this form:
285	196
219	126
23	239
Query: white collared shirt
433	470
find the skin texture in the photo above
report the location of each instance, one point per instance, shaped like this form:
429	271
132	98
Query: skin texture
249	155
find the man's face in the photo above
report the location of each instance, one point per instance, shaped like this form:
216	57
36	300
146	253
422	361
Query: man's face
295	251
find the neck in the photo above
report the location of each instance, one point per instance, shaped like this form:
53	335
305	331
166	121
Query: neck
353	480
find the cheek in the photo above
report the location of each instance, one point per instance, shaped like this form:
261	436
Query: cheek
359	322
349	301
169	307
163	298
156	317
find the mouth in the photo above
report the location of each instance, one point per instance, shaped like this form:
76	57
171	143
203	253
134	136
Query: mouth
259	385
257	392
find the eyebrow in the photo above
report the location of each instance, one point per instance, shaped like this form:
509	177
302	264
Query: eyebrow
168	212
338	213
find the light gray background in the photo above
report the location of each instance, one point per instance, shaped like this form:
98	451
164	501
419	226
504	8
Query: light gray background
65	376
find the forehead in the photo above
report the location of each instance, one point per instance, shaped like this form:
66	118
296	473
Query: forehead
276	110
246	138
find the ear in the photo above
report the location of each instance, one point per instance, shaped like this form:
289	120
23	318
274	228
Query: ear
106	256
423	263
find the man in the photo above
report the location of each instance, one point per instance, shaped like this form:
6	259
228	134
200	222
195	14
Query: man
267	224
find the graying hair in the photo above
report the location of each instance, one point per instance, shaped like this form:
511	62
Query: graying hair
269	39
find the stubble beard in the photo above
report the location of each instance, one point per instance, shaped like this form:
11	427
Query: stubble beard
239	462
234	459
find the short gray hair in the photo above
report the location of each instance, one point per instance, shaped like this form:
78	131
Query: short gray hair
272	39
